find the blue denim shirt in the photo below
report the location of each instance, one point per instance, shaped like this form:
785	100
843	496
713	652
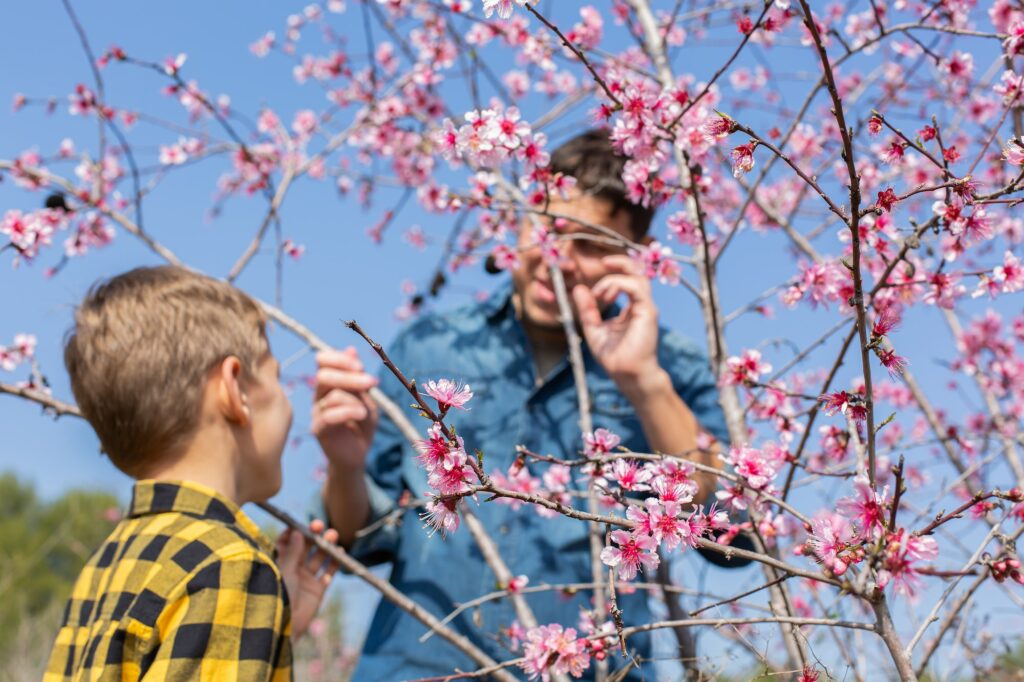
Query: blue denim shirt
484	345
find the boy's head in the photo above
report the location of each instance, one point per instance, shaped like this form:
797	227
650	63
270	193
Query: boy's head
158	353
599	198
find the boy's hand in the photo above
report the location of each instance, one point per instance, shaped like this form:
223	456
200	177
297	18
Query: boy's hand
306	573
344	416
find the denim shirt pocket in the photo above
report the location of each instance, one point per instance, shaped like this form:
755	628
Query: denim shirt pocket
614	412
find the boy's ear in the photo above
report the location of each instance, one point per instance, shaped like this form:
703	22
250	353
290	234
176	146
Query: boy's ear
231	398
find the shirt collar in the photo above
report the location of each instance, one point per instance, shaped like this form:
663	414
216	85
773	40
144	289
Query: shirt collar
185	497
499	302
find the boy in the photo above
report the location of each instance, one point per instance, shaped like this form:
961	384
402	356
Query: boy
173	371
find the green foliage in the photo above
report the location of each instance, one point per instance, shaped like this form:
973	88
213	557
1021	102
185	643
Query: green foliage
43	546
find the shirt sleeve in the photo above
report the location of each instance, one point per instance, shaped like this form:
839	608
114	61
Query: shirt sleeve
695	384
231	621
384	481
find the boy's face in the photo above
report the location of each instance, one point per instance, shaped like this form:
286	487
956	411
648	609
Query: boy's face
271	419
582	262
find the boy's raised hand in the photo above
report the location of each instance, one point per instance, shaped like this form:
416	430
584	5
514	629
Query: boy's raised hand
344	416
306	573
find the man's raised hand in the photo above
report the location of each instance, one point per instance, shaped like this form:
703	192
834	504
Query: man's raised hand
344	416
625	345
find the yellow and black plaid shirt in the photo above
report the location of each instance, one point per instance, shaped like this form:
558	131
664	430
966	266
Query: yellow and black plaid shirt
185	588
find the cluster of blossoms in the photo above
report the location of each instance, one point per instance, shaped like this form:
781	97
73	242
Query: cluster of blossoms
758	468
658	263
660	519
820	283
858	528
1007	278
180	152
444	457
27	233
552	485
490	137
554	650
22	350
746	369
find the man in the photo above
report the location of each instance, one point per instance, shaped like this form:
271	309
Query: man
647	385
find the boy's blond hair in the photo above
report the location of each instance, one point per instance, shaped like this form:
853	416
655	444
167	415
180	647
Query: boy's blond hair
140	350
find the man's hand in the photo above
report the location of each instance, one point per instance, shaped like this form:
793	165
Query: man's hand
344	416
306	574
627	344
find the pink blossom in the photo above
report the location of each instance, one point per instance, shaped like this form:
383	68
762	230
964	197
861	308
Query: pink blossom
681	228
867	508
449	393
435	451
743	158
886	319
263	45
292	250
1014	151
900	554
656	261
843	402
629	475
632	552
173	64
1010	274
172	155
441	515
893	153
895	364
454	481
548	244
718	126
517	583
887	199
503	7
505	257
808	674
304	124
757	467
600	442
666	524
830	538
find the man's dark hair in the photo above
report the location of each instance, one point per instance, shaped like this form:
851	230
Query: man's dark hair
597	167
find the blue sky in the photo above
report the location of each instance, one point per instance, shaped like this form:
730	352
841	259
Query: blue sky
343	275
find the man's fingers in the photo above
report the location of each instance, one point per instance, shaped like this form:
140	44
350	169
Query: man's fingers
586	306
609	287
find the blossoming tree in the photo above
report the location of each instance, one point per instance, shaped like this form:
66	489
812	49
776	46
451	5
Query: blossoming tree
890	166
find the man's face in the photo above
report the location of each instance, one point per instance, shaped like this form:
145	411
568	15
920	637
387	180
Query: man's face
582	262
